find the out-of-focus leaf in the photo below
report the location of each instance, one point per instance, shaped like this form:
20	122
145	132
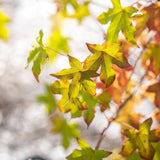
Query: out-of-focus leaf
127	113
81	12
67	130
155	88
120	21
151	58
48	99
142	140
38	56
3	30
87	153
157	153
58	42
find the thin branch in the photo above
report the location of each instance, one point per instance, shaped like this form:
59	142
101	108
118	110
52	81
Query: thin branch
124	102
55	51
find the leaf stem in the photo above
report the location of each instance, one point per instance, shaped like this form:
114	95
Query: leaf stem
55	51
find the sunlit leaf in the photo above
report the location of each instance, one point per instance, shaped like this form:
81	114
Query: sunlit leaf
141	139
87	153
120	21
3	30
106	56
37	56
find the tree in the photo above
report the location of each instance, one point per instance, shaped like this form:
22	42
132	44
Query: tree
107	68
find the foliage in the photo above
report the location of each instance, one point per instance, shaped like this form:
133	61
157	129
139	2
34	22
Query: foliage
3	30
106	78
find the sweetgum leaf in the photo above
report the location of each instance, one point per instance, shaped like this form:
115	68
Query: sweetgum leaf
74	86
67	130
75	63
89	86
3	30
58	42
120	21
65	74
37	56
152	55
104	100
81	12
91	102
105	55
107	74
140	139
87	153
155	88
48	99
75	105
80	78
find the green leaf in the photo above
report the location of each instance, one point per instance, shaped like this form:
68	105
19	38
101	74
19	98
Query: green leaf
74	86
67	130
66	74
104	100
91	102
58	42
107	74
87	153
93	62
75	63
141	140
89	86
80	78
3	30
81	12
105	55
38	56
157	153
120	21
48	99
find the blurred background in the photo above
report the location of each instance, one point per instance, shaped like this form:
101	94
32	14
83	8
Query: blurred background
24	125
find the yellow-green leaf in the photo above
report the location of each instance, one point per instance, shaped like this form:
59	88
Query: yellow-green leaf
67	130
3	30
142	140
120	21
87	153
37	56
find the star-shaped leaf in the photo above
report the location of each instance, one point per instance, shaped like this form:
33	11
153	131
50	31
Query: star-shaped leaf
142	140
58	42
3	30
81	12
48	99
80	78
105	56
120	21
87	153
67	130
155	88
75	105
38	56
